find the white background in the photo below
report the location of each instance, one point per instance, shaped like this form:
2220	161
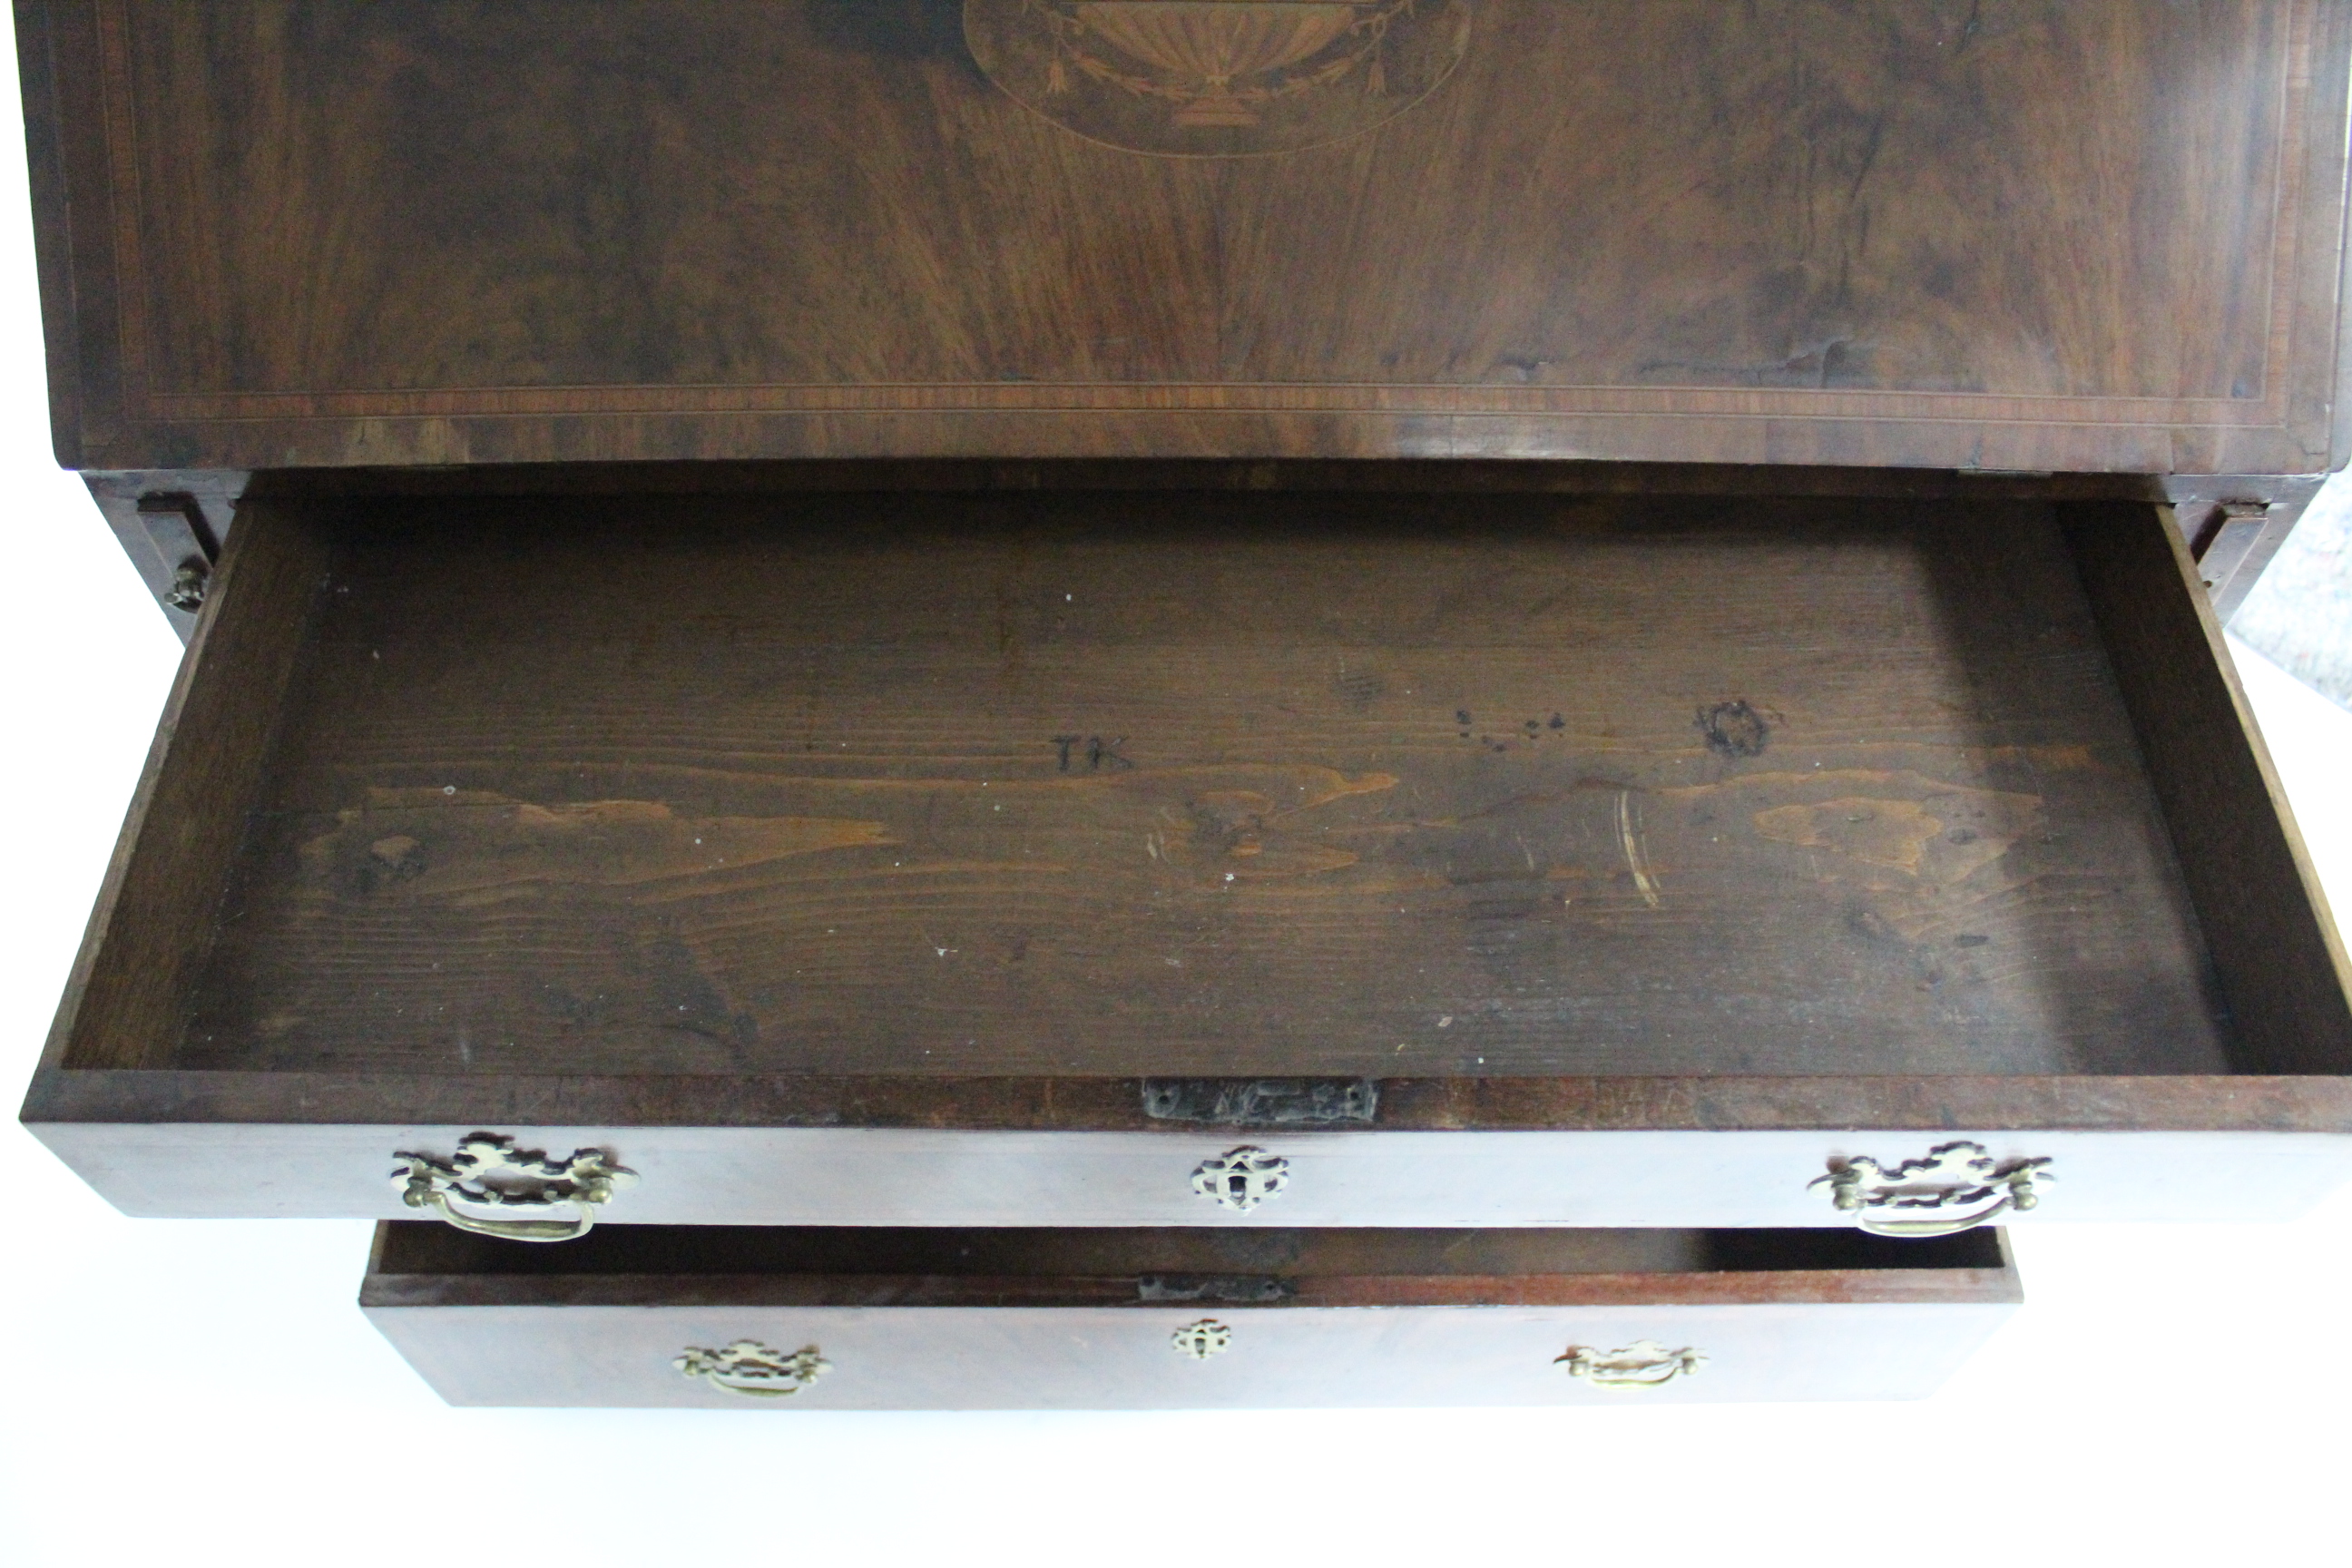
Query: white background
201	1391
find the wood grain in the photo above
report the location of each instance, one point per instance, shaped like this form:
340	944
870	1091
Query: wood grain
1047	1320
155	919
1940	234
2282	964
2198	493
423	1265
276	1109
1167	784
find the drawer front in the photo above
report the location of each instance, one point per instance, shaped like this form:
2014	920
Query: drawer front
1130	1357
804	1176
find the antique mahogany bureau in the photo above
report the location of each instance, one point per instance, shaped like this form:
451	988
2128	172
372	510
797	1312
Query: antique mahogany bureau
1212	660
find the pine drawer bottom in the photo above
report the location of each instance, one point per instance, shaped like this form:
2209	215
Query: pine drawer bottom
861	1319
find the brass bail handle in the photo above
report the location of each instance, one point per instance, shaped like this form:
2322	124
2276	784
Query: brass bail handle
1956	1187
1645	1363
584	1218
488	1172
726	1384
1920	1228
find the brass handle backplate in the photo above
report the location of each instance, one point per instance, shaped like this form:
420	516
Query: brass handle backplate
1956	1187
523	1189
752	1370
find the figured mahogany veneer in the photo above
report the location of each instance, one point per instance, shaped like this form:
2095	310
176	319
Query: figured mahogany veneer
2013	234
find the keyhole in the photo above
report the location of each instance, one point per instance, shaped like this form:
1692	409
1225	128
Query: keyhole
1238	1185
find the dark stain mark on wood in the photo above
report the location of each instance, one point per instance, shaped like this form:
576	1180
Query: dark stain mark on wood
395	859
1094	751
1734	728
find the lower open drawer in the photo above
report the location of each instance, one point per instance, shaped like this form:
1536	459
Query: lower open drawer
849	1319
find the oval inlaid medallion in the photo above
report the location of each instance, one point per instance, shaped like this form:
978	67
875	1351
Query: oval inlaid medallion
1218	78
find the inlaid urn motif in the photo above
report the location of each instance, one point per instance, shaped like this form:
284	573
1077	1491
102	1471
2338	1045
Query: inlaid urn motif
1218	77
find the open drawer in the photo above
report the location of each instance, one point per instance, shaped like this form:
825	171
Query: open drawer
1094	857
949	1319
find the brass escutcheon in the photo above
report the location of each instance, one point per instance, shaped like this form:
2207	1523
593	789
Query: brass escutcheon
1241	1178
1202	1340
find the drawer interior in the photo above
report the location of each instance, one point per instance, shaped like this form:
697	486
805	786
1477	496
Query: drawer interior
414	1263
1133	783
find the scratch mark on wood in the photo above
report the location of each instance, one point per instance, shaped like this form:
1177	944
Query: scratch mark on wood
1628	834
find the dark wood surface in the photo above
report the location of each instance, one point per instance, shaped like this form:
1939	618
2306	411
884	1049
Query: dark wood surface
1137	784
160	903
2273	939
426	1265
961	1319
452	882
2199	504
2014	234
65	1096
